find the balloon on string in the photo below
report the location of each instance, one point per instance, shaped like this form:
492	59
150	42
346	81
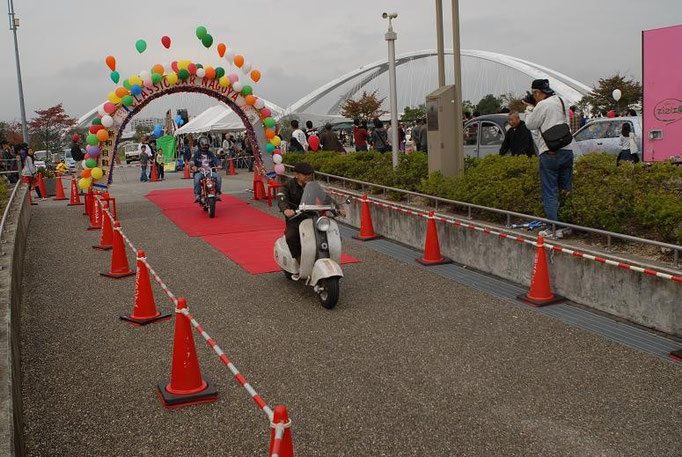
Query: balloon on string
92	150
277	152
199	66
96	173
201	32
260	103
219	72
86	173
126	84
279	169
94	128
210	72
255	76
221	49
277	158
166	41
107	121
276	141
174	66
148	83
237	86
269	134
96	121
113	98
246	90
115	76
90	163
158	68
250	99
100	109
121	92
238	60
233	78
192	68
224	81
156	78
127	100
269	148
172	78
111	62
183	64
102	135
140	45
135	89
207	41
265	113
201	72
84	183
135	79
269	123
109	107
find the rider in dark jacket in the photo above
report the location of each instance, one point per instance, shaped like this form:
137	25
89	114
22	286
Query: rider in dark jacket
205	159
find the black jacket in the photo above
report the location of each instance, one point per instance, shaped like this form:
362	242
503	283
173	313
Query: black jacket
289	195
519	141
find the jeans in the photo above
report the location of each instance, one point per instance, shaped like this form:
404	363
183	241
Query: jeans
143	174
197	182
556	173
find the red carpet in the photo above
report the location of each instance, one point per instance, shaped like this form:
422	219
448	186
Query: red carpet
243	233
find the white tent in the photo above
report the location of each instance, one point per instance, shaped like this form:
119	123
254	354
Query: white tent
220	118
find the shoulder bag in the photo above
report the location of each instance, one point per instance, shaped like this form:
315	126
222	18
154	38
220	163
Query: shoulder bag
558	136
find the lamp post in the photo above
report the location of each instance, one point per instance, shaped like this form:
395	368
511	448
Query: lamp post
391	36
13	25
456	56
440	44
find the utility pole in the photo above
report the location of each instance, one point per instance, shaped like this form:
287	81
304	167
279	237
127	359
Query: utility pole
440	43
391	36
456	55
13	25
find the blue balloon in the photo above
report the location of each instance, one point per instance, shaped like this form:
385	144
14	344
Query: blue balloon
135	89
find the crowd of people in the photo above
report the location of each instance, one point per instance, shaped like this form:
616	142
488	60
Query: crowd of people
18	161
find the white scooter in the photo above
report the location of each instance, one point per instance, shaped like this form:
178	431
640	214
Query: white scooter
320	246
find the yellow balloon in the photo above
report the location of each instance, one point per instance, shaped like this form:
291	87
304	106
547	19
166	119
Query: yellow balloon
275	141
96	173
113	98
172	78
224	81
135	80
84	183
183	64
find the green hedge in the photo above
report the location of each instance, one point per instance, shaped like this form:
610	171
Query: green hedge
642	200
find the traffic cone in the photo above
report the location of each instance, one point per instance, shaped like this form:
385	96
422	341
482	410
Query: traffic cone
186	172
106	240
75	199
88	203
231	171
41	185
59	194
540	293
119	260
155	173
144	308
431	247
186	386
366	227
286	447
96	216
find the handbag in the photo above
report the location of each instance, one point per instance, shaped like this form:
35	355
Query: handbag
558	136
633	145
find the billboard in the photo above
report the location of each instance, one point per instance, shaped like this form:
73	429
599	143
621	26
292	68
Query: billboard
662	103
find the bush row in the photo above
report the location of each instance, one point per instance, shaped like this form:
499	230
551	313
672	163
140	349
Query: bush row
641	200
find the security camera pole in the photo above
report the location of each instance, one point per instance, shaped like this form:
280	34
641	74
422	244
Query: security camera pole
13	25
391	36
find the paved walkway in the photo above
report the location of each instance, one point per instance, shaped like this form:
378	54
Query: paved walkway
409	364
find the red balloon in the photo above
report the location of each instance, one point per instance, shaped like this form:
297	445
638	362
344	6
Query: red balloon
76	137
314	142
174	66
265	112
221	49
192	68
166	41
611	114
95	128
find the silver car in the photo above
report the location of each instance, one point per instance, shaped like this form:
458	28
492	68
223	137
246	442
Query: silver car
602	135
484	135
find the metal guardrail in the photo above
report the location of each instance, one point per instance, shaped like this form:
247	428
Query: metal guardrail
9	203
610	236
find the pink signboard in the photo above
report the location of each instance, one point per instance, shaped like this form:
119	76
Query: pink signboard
662	106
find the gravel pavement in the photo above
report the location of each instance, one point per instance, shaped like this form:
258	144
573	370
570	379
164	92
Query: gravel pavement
408	364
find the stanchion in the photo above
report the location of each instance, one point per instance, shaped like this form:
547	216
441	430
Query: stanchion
88	203
366	226
59	194
144	307
258	186
281	444
540	293
96	215
106	240
75	199
119	260
432	254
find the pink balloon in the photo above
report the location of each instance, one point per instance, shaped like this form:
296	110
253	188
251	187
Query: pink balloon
277	151
265	112
279	169
109	107
233	77
148	83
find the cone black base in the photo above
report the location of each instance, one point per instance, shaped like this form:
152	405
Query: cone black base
141	322
208	395
102	248
93	228
676	355
117	276
444	261
540	304
366	238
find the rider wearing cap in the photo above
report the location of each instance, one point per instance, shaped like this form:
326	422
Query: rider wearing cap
205	159
289	198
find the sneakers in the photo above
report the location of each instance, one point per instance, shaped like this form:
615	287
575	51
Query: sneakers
197	199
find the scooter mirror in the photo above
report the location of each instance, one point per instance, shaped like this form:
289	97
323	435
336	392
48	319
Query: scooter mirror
348	200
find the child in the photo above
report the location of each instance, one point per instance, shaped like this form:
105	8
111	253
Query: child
29	172
62	168
159	163
144	158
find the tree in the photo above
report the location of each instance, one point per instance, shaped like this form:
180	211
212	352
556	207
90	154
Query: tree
413	114
601	99
366	108
513	102
140	131
489	105
468	106
50	128
11	131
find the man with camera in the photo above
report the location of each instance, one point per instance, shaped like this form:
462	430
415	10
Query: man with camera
547	113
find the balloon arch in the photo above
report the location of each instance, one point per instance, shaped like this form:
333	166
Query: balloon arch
183	76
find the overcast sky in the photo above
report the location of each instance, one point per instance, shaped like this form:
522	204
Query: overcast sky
302	44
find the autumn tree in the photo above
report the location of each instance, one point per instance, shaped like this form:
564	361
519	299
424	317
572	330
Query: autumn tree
50	128
366	108
11	131
601	99
413	114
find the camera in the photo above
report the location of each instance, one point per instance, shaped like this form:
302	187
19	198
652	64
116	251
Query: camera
389	15
528	98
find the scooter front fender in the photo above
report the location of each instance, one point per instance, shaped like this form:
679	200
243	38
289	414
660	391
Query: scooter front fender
323	269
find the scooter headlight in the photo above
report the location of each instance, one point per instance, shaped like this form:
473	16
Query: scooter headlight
323	224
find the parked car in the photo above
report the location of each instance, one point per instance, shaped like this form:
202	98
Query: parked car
131	151
602	135
68	158
40	159
484	135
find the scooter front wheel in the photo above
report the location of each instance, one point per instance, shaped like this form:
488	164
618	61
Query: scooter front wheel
329	295
288	275
211	207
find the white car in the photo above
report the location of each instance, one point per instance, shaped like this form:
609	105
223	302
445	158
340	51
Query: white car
132	152
40	158
603	135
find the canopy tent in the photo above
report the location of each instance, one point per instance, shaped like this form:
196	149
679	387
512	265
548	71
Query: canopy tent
220	118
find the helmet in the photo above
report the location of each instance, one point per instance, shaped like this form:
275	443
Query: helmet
204	143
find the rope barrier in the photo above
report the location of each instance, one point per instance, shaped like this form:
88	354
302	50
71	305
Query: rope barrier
279	434
160	282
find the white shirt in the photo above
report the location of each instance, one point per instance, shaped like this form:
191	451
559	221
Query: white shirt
545	115
300	137
625	141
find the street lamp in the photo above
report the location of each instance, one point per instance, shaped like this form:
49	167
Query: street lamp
13	25
391	36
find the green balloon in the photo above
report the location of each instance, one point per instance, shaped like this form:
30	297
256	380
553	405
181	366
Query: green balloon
115	76
270	147
140	45
247	90
219	72
183	74
200	66
268	122
91	139
201	32
126	84
91	163
97	121
207	41
128	100
156	78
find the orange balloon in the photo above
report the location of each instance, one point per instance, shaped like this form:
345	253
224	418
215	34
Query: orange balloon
269	133
102	135
111	62
221	49
255	76
250	100
239	60
158	69
210	72
86	173
121	92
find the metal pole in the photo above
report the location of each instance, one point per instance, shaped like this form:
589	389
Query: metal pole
440	45
459	147
13	27
391	36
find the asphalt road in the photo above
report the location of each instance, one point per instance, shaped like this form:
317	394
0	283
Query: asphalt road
408	364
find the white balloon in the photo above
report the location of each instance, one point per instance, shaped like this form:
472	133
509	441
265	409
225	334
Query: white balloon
148	82
201	72
107	121
260	104
277	158
229	55
246	68
237	86
100	110
617	94
144	74
241	101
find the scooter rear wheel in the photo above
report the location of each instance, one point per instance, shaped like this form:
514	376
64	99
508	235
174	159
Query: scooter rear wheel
329	296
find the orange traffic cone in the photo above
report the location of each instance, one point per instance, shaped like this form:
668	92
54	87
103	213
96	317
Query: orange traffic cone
41	186
186	386
366	227
106	240
258	186
431	247
186	172
144	308
284	447
231	171
96	216
75	199
540	293
88	203
59	194
119	260
155	173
